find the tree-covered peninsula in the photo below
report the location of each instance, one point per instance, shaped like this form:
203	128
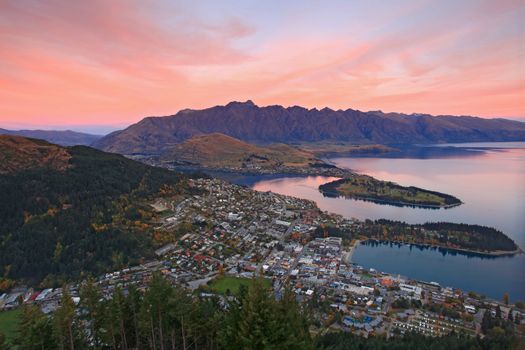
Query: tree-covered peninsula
385	192
453	236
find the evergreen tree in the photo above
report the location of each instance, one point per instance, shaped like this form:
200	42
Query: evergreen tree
154	313
486	322
293	333
114	320
258	326
35	330
134	302
498	312
228	333
64	324
91	299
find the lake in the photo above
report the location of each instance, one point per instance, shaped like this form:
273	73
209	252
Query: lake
488	178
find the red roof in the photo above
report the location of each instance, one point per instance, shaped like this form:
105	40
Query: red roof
200	257
386	282
33	296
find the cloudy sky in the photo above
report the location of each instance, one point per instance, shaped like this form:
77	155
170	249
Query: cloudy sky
97	65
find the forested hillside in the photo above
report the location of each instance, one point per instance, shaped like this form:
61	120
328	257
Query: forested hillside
90	217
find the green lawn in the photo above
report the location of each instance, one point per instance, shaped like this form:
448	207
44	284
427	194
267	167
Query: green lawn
8	322
222	284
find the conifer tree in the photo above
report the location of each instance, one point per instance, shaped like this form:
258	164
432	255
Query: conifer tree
35	330
294	332
64	322
258	326
91	298
134	302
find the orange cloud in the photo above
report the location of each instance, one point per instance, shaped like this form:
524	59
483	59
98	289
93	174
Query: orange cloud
99	62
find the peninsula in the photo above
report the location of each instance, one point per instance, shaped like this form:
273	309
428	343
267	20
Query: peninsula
458	237
219	152
365	187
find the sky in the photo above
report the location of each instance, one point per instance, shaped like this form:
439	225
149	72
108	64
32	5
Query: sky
101	65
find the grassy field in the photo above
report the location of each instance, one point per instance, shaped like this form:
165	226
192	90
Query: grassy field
8	322
222	284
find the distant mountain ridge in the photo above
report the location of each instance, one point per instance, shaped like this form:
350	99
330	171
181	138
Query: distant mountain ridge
276	124
59	137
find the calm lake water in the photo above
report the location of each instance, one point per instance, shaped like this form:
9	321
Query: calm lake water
488	178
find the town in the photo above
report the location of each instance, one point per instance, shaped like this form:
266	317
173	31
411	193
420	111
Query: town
233	232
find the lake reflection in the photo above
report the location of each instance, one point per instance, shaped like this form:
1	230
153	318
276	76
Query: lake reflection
491	184
490	276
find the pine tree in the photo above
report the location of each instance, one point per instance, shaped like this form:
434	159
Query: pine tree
134	302
258	326
154	313
115	320
227	336
35	330
179	317
64	323
498	312
293	333
486	322
91	298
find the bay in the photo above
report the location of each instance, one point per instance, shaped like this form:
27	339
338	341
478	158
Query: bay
488	178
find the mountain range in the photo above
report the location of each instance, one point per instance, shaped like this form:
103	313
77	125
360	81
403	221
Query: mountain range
277	124
59	137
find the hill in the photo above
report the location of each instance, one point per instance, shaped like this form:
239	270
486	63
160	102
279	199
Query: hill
276	124
86	211
19	153
59	137
218	150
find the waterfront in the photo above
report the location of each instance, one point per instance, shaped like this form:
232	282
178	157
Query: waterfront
490	182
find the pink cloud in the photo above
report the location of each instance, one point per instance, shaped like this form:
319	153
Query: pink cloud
115	62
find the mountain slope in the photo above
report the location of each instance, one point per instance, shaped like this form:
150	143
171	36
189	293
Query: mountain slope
219	150
19	153
91	216
59	137
250	123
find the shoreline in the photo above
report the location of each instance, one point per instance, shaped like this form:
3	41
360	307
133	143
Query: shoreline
327	172
374	200
289	171
352	250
